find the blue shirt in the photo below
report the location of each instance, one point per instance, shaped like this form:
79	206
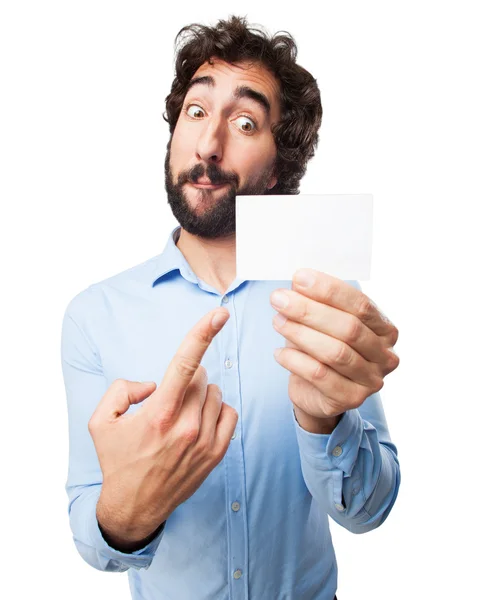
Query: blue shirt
257	528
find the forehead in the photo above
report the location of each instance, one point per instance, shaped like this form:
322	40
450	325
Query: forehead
254	75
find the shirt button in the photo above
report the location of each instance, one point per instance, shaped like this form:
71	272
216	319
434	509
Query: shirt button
235	506
228	364
237	574
225	300
337	451
340	507
233	436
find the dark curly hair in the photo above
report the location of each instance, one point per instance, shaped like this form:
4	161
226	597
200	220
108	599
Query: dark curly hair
296	134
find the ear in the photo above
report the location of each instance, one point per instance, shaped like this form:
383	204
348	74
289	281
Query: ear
272	182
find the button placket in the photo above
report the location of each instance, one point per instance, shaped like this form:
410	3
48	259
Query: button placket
234	458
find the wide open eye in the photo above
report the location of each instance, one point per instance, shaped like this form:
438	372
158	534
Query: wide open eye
246	124
193	110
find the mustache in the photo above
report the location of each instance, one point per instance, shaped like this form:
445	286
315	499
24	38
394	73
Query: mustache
213	173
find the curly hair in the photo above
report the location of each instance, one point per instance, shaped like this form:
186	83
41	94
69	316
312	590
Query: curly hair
296	133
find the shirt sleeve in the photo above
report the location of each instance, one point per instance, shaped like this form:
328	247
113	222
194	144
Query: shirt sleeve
353	473
85	385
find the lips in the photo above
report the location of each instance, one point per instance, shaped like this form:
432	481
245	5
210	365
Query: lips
206	183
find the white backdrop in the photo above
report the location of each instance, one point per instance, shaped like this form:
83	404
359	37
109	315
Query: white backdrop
82	144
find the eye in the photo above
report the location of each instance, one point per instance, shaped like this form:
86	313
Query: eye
195	111
246	124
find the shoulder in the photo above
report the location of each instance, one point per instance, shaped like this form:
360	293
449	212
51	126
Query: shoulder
100	296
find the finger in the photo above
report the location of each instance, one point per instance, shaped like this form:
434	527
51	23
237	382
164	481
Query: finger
333	322
326	349
336	292
225	427
209	416
328	381
120	396
182	368
194	399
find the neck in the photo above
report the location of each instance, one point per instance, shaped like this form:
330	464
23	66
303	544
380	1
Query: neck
212	260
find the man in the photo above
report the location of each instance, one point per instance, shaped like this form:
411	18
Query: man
215	480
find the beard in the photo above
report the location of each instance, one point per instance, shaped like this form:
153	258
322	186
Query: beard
218	218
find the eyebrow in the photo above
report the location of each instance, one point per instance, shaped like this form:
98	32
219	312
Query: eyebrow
242	91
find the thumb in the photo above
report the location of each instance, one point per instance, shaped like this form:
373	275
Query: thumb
120	396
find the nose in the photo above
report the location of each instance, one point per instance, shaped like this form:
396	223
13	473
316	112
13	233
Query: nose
209	146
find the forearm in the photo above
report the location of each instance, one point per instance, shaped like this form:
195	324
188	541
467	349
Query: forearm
120	537
85	384
91	544
350	473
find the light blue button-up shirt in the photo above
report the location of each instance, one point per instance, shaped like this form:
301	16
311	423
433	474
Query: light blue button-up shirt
257	528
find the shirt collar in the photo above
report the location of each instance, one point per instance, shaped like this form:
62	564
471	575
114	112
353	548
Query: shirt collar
172	259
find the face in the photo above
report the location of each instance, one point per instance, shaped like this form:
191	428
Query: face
222	145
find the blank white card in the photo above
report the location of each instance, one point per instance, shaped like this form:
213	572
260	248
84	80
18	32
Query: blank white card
276	235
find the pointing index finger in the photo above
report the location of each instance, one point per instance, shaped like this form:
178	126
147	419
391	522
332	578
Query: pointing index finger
182	368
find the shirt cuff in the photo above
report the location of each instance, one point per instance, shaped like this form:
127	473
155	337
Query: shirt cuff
139	559
336	450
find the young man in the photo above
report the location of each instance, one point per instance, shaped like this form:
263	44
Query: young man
215	480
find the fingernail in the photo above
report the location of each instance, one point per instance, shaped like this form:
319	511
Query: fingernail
279	320
304	278
279	299
219	319
277	352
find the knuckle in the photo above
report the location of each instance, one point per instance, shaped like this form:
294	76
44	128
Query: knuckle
92	424
186	367
203	337
365	307
378	384
343	355
305	312
202	371
353	329
200	378
392	360
190	434
162	422
358	398
329	293
394	335
319	373
329	411
215	390
120	385
231	413
219	451
396	362
202	448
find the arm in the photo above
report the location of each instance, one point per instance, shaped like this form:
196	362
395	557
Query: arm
85	385
339	348
353	472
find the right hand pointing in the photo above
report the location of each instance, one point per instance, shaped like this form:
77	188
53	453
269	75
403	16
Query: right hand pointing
156	458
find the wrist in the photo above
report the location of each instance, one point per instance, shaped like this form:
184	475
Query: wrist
122	528
313	424
128	546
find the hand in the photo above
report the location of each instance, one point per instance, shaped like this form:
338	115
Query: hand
338	345
154	459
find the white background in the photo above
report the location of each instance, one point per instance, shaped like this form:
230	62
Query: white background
82	144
